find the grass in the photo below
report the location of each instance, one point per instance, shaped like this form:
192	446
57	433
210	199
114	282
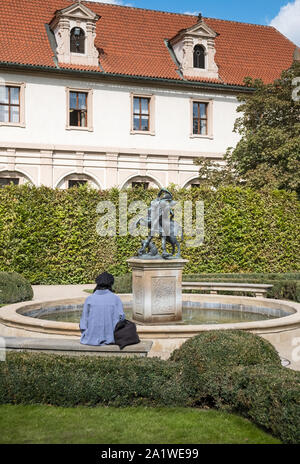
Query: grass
40	424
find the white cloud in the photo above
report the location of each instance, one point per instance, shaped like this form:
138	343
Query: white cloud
192	13
288	21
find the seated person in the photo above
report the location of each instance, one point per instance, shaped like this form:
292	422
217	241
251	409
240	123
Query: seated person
101	312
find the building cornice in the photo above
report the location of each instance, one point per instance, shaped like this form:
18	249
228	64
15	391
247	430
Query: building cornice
89	149
113	76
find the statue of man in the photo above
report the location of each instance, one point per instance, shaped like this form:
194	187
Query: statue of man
161	213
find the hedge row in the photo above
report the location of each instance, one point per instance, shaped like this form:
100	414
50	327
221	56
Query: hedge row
14	288
50	237
70	381
234	370
285	286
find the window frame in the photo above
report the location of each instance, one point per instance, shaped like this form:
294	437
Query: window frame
209	118
21	86
151	112
89	110
197	47
83	36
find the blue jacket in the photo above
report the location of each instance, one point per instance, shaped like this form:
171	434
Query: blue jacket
101	312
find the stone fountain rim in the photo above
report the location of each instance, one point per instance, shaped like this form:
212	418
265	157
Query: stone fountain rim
13	316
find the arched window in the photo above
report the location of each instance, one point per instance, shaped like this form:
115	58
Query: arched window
77	40
199	57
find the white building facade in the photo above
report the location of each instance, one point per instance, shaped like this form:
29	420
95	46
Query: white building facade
67	125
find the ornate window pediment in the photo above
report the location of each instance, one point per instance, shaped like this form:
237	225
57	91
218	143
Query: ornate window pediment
194	49
74	28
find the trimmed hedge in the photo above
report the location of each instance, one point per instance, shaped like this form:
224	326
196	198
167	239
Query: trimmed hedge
216	349
285	286
70	381
14	288
267	395
251	384
49	235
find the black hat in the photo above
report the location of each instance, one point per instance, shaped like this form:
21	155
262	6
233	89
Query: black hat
105	279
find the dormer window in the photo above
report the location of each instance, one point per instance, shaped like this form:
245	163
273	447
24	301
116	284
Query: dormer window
77	39
74	29
199	57
194	49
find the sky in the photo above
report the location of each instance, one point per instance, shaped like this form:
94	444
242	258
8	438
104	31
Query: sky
282	14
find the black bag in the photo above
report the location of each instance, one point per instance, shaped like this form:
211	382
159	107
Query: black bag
125	334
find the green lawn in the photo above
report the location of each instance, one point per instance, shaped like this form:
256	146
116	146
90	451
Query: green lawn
49	424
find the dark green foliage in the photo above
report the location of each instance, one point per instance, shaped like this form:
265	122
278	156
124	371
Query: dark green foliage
123	284
215	349
267	395
238	372
50	237
70	381
14	288
286	286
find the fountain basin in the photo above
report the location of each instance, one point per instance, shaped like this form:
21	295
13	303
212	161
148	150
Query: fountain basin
15	320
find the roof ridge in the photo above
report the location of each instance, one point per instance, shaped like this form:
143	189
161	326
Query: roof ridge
175	13
137	8
282	35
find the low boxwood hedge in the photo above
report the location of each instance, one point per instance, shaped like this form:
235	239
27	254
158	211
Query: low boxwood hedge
267	395
13	288
225	348
70	381
251	384
286	286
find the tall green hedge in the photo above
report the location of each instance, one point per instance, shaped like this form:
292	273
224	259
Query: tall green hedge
49	235
14	288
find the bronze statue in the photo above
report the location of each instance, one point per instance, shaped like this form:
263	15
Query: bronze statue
160	220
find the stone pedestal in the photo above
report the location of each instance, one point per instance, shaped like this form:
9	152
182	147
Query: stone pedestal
156	288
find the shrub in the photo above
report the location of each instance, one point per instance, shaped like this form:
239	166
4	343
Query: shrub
123	284
267	395
14	288
219	348
69	381
285	286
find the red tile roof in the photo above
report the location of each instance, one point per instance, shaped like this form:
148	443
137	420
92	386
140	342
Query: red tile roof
132	41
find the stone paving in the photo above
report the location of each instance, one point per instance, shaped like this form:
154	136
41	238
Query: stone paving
41	292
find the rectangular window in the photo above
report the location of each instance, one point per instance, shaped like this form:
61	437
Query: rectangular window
9	104
141	113
78	109
200	118
8	180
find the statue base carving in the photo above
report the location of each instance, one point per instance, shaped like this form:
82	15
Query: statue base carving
157	289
